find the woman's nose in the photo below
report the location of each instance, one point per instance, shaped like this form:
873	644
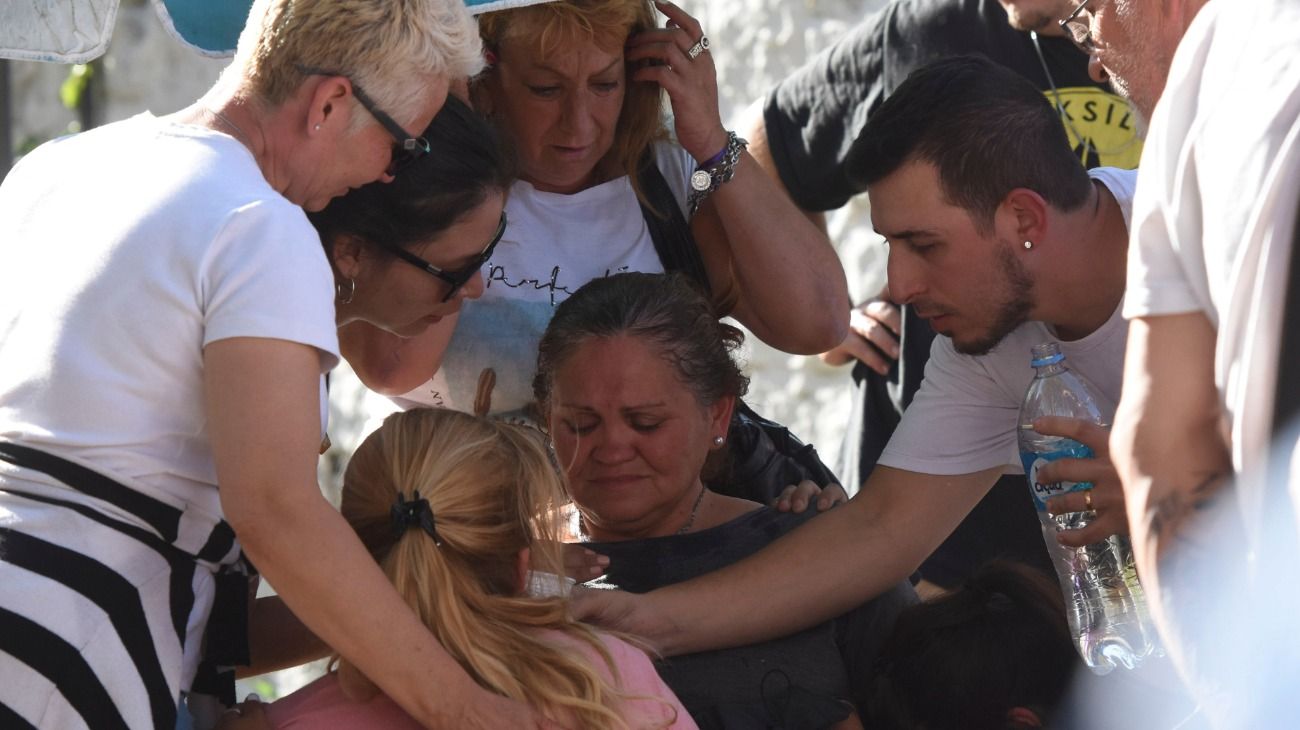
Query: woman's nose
576	119
473	288
612	445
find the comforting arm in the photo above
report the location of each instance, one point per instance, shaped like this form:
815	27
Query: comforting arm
263	417
277	639
879	538
1168	442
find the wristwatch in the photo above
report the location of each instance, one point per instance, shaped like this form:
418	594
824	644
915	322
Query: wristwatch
715	171
701	181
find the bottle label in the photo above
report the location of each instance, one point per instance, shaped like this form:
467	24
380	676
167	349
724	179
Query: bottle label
1034	461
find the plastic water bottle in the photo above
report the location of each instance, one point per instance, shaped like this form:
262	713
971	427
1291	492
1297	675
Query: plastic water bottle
1104	601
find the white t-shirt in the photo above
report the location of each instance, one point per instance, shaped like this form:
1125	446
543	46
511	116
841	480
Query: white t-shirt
554	244
964	417
126	250
1216	208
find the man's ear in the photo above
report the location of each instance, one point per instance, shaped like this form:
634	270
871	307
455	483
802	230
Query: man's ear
1022	216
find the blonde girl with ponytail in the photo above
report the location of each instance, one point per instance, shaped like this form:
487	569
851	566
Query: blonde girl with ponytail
456	508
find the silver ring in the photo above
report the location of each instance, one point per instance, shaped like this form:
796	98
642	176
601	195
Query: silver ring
700	46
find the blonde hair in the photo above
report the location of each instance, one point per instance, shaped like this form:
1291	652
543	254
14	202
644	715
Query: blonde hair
492	492
391	48
554	26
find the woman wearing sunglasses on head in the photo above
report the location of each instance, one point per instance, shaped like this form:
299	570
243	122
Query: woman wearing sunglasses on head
166	317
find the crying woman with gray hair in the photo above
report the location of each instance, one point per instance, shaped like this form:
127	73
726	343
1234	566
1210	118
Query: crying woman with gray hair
637	380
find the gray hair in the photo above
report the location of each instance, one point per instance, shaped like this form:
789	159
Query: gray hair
665	311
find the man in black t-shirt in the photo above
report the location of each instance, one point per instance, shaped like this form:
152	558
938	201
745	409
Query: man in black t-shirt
811	121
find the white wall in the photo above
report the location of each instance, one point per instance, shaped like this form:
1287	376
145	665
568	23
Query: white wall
756	43
144	69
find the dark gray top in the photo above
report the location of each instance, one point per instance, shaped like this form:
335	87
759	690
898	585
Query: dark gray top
804	680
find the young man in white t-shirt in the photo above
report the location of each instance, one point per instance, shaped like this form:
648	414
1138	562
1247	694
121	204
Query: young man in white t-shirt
1002	240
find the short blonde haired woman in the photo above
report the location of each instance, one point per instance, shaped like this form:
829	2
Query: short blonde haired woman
167	316
455	508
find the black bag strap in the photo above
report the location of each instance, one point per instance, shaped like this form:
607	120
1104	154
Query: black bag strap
1286	395
668	228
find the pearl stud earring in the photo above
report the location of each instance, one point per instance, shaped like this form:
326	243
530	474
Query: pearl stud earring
1029	245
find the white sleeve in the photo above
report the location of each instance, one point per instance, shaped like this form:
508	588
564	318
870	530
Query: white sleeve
1166	265
266	275
959	422
676	165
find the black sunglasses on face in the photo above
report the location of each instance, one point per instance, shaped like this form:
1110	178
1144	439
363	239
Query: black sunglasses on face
407	147
457	278
1078	28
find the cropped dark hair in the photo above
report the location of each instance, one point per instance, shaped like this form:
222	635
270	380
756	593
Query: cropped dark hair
666	311
963	660
984	127
427	196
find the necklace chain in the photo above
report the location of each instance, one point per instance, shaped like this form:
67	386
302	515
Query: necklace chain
690	521
694	510
1056	94
1059	103
239	132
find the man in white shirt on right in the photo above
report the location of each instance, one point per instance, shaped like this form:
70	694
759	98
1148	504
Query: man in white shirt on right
1213	520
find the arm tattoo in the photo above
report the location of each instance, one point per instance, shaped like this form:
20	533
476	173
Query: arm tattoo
1168	514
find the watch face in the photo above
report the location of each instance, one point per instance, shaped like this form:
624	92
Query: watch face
701	180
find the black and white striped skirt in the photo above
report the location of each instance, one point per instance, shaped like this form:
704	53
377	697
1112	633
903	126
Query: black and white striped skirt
104	596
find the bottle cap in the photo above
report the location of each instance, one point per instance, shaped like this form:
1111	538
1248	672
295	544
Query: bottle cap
1051	359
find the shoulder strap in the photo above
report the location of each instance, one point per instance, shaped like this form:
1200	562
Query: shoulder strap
668	227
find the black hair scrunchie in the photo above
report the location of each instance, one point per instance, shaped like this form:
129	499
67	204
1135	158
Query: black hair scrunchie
416	513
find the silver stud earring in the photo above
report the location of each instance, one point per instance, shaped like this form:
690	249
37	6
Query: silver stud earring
1029	245
718	440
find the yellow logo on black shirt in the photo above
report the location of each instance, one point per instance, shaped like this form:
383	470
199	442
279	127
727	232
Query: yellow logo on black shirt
1101	127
